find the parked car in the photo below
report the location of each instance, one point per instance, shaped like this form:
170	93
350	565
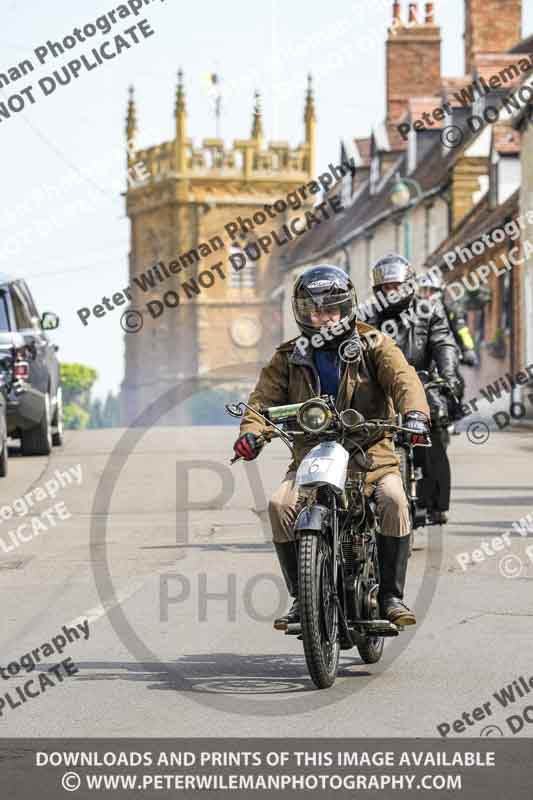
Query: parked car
6	376
34	411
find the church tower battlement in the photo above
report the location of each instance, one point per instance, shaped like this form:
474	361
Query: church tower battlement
249	159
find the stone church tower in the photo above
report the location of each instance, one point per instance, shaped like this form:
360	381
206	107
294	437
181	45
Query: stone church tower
207	314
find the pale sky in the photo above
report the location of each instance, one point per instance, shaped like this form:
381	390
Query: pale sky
72	247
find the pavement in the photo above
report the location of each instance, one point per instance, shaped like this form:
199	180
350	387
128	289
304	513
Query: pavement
166	555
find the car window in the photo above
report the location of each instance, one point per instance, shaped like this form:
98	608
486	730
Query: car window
23	286
22	315
4	319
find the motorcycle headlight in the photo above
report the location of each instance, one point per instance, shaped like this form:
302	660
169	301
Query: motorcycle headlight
314	416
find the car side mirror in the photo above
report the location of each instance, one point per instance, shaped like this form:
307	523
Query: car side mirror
49	321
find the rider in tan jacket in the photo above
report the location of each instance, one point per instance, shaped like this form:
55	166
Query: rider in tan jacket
364	370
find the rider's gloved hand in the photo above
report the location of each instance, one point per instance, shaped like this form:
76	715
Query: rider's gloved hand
247	446
418	423
456	387
470	358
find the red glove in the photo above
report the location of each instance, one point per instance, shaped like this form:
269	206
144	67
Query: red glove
247	446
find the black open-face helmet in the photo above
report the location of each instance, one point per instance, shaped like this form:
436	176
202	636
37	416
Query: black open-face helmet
322	288
394	268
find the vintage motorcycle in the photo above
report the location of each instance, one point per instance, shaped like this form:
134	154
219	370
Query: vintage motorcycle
335	529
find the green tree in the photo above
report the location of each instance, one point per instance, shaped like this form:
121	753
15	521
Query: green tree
77	381
75	417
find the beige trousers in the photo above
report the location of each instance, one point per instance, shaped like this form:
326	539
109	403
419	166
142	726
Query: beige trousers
391	501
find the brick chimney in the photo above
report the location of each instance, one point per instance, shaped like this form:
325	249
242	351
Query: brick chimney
491	26
413	58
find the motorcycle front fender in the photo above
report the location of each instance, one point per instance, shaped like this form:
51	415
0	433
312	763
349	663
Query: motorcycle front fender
311	519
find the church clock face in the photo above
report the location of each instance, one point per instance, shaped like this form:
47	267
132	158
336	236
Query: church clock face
245	331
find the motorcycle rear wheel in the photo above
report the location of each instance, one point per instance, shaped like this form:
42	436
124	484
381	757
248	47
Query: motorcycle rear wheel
318	610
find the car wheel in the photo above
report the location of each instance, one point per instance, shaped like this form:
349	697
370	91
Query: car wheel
37	441
57	422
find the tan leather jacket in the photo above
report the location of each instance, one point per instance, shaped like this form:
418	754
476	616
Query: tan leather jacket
379	384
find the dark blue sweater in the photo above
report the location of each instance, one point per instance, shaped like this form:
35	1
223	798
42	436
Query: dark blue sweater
328	365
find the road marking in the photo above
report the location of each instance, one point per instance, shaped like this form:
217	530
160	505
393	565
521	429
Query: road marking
101	610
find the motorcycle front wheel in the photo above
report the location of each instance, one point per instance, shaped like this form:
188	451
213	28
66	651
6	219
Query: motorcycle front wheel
318	609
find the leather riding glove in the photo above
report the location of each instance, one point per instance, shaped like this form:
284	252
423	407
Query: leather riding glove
418	423
247	446
470	358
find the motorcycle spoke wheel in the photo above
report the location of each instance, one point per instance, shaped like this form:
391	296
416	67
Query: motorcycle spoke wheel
318	610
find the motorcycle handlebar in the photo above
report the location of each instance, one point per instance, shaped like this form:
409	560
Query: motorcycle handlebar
391	427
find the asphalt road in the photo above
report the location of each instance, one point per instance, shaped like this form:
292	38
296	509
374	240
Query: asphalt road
179	602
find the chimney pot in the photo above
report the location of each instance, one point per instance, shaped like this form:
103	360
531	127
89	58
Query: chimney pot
413	12
396	11
430	13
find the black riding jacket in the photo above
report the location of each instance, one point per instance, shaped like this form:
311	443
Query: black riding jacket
423	334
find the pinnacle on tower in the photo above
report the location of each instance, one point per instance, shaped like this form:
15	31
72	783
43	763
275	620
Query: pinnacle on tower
396	12
257	124
309	113
131	123
181	125
310	125
180	94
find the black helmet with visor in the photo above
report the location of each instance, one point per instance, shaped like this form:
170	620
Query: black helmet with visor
321	289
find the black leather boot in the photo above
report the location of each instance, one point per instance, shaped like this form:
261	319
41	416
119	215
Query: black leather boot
288	559
438	517
393	553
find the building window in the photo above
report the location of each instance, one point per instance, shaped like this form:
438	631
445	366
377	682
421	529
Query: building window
245	277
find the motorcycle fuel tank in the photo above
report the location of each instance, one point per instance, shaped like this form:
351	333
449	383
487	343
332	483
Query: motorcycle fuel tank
325	464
